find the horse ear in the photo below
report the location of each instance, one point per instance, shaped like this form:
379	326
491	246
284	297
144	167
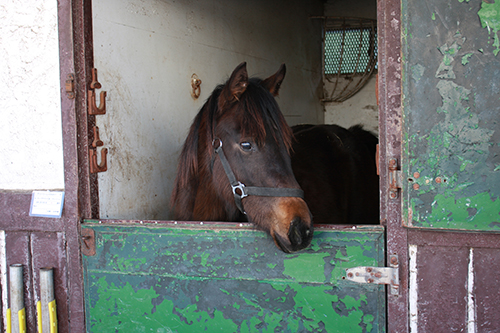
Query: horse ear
273	83
235	87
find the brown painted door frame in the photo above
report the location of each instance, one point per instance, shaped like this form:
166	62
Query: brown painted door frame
390	137
77	134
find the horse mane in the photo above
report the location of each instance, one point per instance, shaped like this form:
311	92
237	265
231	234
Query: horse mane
258	113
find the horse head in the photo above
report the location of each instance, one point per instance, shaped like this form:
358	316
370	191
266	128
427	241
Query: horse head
235	164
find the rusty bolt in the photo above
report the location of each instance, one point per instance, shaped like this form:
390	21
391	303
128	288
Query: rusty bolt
370	280
357	274
416	174
438	180
393	195
416	186
368	269
378	275
394	260
349	275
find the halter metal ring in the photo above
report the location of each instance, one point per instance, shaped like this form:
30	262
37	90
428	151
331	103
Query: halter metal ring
240	186
214	141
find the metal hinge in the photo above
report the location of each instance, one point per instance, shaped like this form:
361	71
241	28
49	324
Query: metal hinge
377	275
70	86
395	178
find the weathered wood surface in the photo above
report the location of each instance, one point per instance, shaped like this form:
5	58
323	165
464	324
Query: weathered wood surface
197	278
451	160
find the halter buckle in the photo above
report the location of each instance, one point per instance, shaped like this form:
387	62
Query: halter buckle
240	186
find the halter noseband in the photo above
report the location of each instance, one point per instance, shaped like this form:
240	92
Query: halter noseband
241	191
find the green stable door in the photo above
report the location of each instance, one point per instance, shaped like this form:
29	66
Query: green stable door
229	278
451	152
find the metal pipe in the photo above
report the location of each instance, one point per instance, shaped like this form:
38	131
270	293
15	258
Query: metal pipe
18	313
47	313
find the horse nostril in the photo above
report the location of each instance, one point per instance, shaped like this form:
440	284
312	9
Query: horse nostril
294	234
299	234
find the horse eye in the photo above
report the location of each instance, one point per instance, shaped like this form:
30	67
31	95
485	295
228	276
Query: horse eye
246	146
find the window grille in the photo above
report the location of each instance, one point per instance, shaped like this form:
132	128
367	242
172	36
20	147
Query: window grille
350	56
349	51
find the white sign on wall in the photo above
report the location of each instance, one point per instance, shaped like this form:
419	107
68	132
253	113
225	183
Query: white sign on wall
47	204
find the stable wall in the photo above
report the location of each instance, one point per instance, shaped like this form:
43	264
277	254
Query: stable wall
146	53
30	108
360	109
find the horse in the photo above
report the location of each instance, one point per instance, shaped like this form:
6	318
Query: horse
336	169
235	163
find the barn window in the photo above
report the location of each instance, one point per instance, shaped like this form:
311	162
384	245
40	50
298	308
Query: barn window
350	55
350	51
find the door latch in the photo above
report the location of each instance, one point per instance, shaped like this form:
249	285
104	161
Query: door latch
377	275
88	242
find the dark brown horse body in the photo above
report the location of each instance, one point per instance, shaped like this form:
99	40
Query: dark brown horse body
241	120
336	169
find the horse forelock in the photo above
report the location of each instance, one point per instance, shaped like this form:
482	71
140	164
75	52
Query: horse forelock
260	113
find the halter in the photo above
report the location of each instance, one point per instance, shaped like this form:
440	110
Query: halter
241	191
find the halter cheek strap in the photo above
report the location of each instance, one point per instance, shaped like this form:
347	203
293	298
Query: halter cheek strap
241	191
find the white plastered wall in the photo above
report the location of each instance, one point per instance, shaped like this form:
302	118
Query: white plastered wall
146	51
359	109
362	107
31	154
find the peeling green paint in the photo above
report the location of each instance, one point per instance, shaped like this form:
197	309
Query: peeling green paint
465	58
459	131
450	212
417	72
306	266
445	69
489	14
451	119
274	292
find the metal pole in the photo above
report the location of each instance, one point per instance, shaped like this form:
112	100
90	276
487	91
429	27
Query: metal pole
47	313
18	313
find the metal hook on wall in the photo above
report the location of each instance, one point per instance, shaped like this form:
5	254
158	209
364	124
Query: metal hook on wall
98	167
195	85
93	108
94	166
97	141
94	84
